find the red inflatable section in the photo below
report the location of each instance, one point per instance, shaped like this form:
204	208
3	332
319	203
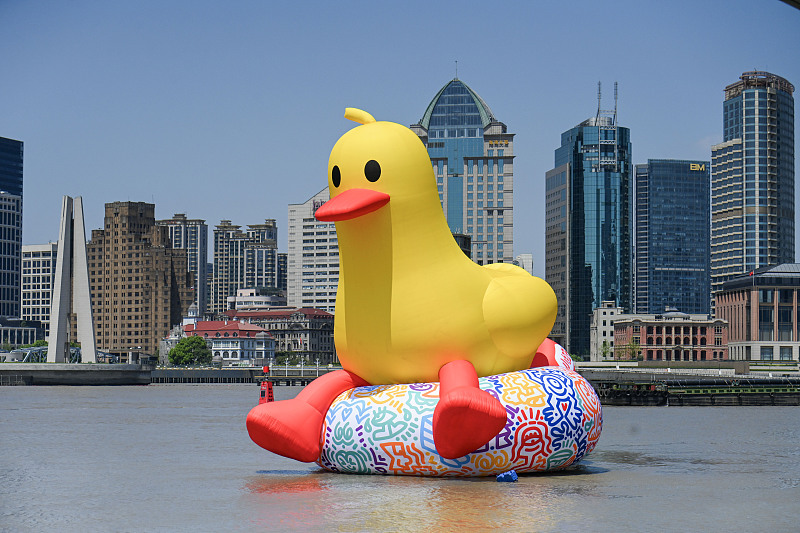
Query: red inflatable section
546	354
462	404
292	428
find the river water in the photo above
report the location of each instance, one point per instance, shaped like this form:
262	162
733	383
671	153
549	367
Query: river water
178	458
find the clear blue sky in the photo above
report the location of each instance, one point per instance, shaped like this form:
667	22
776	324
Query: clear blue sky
228	110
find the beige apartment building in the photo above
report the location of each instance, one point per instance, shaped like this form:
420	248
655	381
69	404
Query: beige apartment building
140	285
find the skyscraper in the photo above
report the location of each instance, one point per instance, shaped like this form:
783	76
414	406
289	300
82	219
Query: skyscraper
140	284
588	226
10	254
11	166
752	178
313	257
192	236
11	152
671	246
243	260
472	155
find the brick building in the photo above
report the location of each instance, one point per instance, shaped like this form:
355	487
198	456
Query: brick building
672	336
140	285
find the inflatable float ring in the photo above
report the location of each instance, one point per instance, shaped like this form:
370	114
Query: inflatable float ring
554	420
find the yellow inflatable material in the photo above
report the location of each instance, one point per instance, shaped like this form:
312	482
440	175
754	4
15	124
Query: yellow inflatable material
409	300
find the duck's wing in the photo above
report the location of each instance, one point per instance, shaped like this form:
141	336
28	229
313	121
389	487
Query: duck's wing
519	310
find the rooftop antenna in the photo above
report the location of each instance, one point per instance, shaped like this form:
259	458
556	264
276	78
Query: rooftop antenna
615	102
456	68
599	93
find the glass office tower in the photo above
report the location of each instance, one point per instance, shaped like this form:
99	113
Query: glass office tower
752	178
472	155
588	226
11	166
671	246
11	152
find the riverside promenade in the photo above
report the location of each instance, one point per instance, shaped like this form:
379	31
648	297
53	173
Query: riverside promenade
616	383
692	384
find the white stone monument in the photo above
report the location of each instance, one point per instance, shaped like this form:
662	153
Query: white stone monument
71	286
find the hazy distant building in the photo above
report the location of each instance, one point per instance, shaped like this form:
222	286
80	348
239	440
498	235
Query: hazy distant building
525	262
588	225
243	259
192	236
752	178
38	274
472	155
141	285
313	257
672	246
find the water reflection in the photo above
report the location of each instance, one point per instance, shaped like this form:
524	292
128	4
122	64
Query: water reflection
285	482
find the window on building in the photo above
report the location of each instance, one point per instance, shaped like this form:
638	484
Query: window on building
766	353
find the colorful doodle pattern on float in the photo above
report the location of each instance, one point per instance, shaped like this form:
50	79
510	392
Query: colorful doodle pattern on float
554	419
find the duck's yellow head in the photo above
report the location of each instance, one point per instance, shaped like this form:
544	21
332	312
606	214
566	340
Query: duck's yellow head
373	165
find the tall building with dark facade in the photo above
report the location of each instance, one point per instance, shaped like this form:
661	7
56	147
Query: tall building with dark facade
588	226
11	152
192	236
752	178
140	284
472	155
671	245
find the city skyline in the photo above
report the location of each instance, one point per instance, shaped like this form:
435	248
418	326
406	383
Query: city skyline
178	104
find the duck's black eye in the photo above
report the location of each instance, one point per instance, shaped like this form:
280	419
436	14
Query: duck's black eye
372	170
336	176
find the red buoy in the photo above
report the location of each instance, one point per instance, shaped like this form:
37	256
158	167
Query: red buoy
266	392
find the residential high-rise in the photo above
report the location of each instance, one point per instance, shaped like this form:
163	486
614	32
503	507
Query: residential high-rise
192	236
38	275
243	260
472	155
671	245
141	285
10	254
11	152
752	178
588	225
313	257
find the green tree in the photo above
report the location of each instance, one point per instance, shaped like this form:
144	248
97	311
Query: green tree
605	350
190	350
632	349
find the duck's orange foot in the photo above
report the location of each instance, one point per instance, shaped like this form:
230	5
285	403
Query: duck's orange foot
290	428
465	419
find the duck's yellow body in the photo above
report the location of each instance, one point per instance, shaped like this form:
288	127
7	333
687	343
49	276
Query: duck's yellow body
409	301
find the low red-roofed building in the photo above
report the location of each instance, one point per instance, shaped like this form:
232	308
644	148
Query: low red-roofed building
306	331
233	341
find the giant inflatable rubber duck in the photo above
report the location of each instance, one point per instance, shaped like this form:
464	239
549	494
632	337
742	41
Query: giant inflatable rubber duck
410	307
